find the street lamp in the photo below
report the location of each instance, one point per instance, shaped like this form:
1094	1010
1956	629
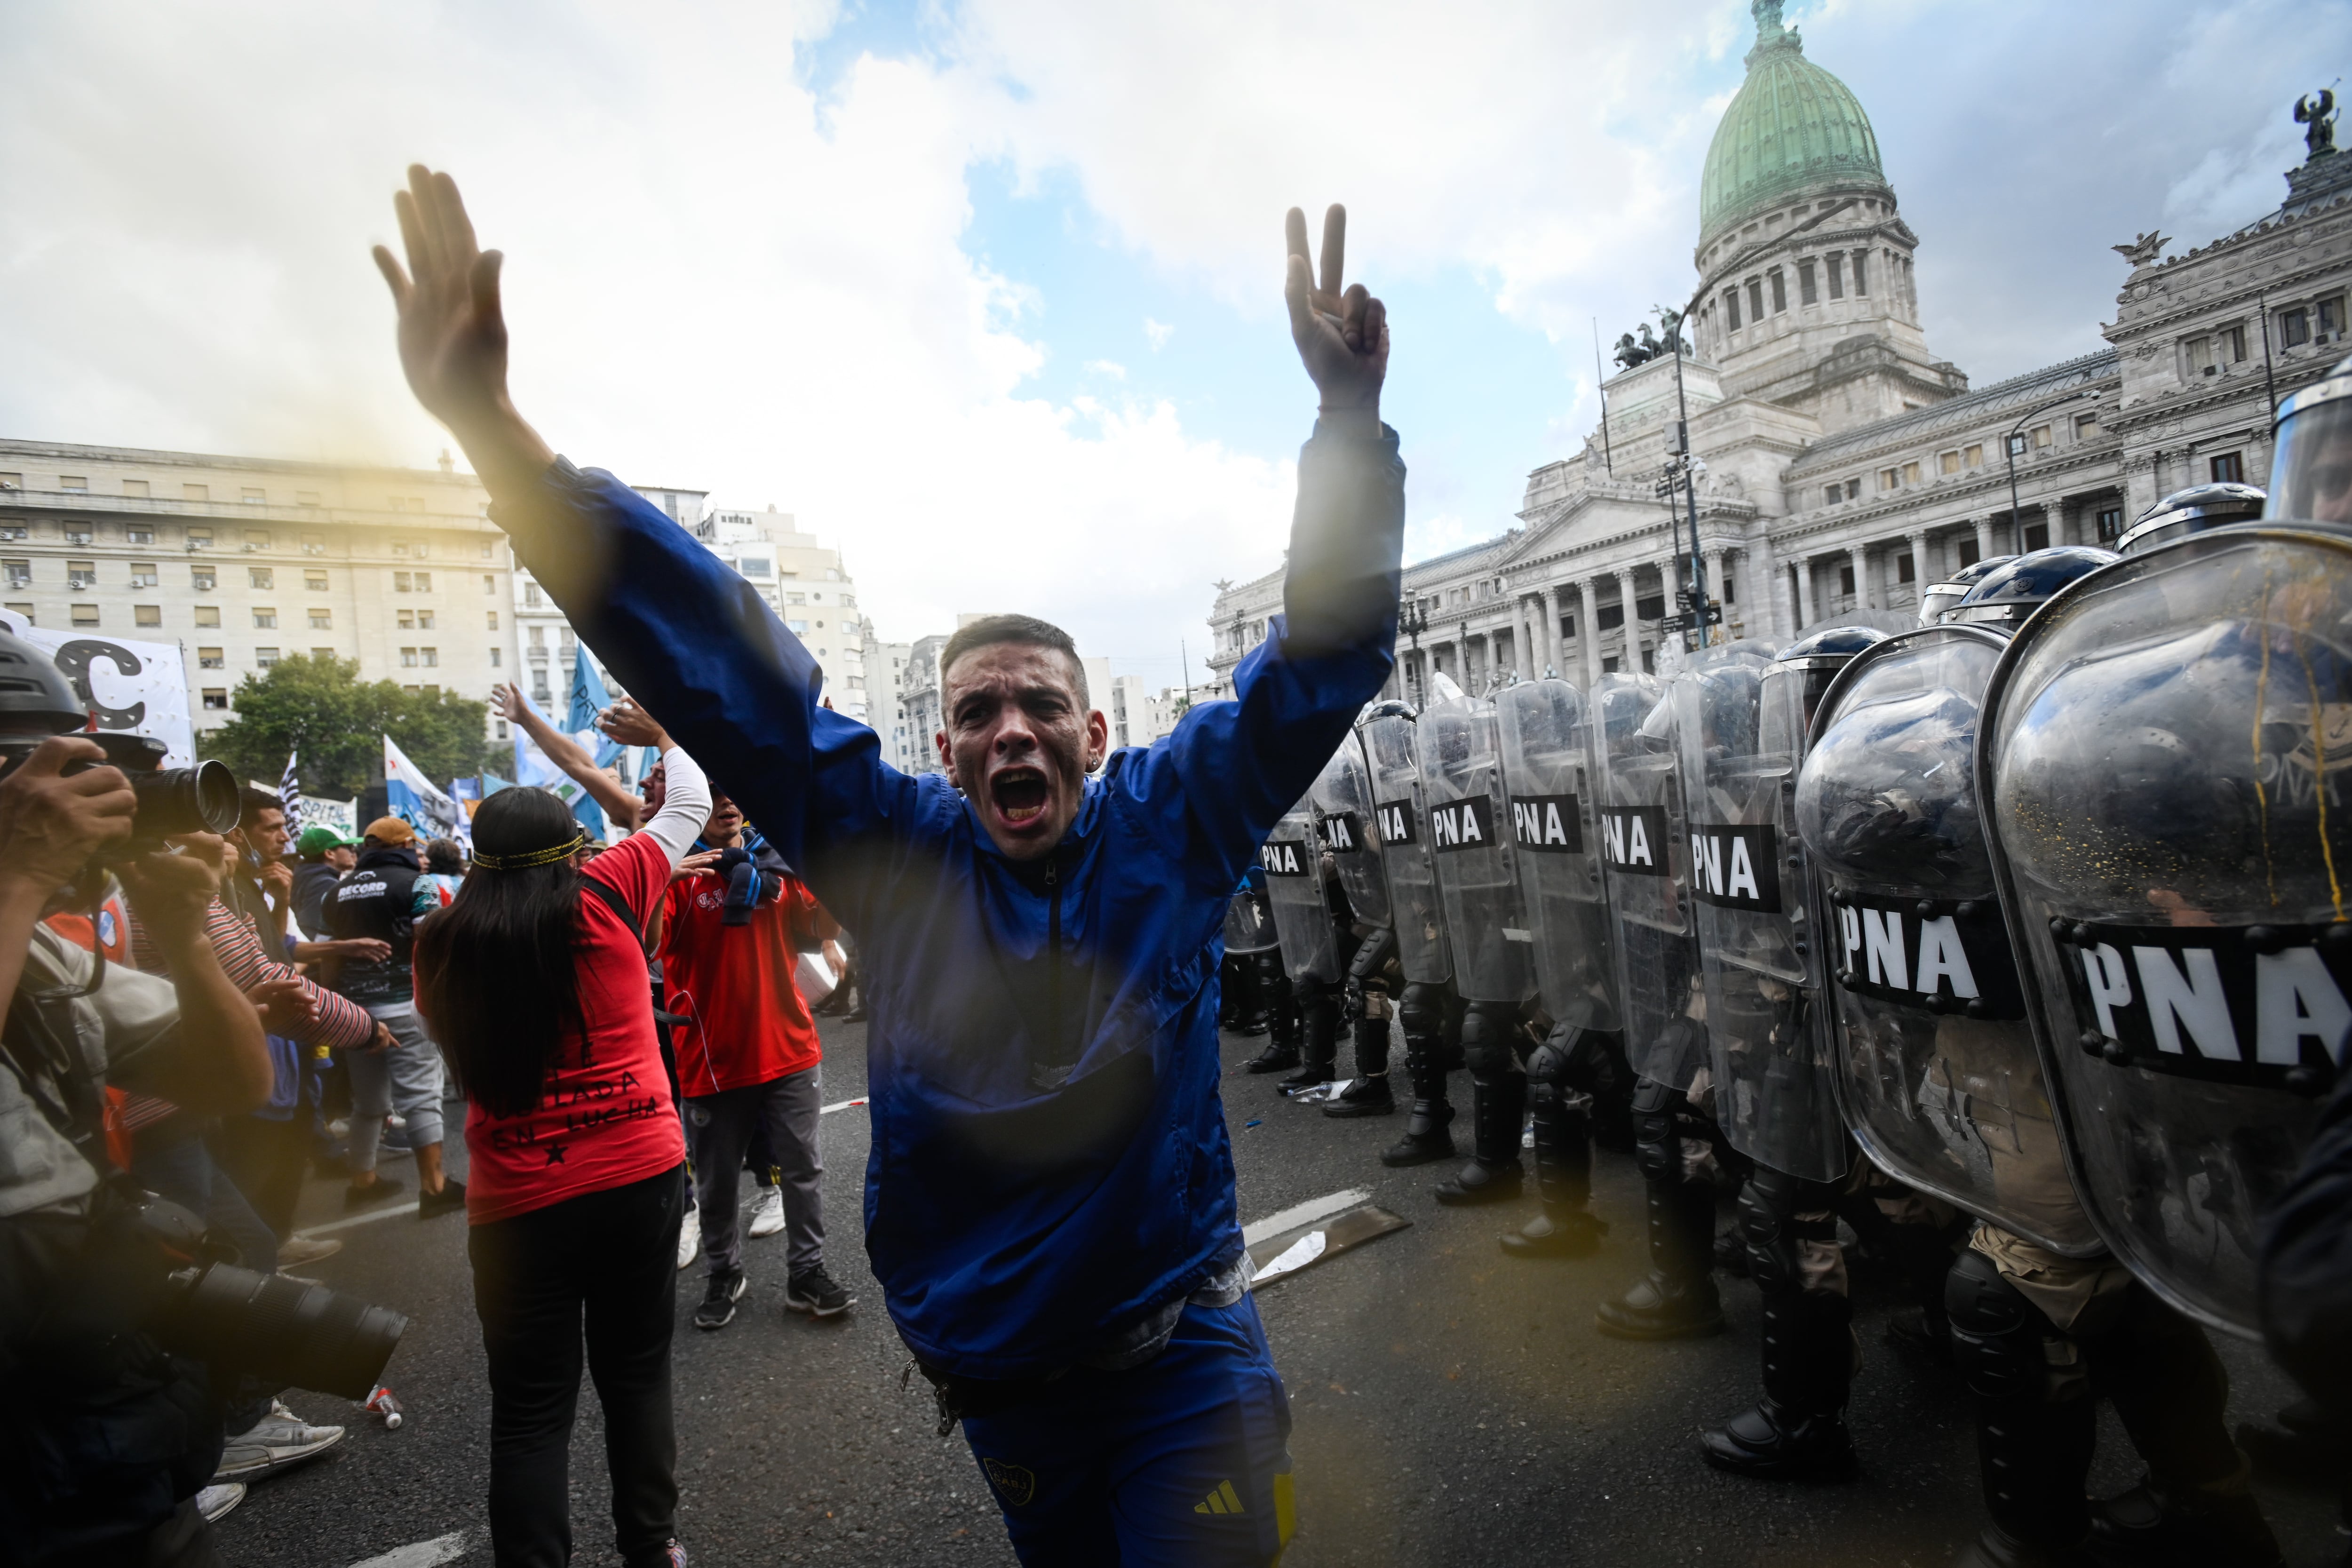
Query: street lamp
2010	446
1413	620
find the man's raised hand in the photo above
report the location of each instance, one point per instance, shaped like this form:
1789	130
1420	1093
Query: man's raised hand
1342	332
453	330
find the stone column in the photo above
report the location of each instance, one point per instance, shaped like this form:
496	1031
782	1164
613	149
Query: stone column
1587	630
1632	662
1715	591
1805	615
1983	525
1920	572
1860	555
1523	657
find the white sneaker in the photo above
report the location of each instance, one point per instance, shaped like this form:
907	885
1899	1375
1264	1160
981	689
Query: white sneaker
689	1240
279	1441
768	1213
216	1502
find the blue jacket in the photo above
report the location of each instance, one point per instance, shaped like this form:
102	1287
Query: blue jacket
1049	1156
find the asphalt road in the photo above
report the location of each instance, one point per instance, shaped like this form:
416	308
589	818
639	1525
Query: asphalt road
1452	1405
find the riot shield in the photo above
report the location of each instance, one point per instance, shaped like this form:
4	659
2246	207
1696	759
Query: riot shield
2165	759
1555	835
1391	753
1468	823
1741	721
1935	1066
1646	874
1342	798
1293	859
1249	922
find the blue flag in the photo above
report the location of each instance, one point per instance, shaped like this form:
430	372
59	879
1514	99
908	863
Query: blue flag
589	699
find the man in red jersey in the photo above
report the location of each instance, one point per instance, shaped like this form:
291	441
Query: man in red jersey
748	1056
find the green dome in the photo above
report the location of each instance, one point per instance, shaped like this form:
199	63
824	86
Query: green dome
1792	126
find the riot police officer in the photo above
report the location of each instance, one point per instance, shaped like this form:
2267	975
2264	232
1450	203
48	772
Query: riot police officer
1342	798
1429	1012
1942	1081
1655	948
1939	600
1466	819
1296	888
1255	950
1578	1066
2192	511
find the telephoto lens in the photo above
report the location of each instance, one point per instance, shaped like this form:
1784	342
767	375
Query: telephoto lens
174	801
282	1331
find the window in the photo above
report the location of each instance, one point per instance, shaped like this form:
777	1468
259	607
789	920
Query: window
401	582
15	531
490	584
1861	277
79	534
322	653
2198	356
1910	473
494	620
2086	428
2232	341
1890	479
2229	468
19	573
532	597
202	579
12	481
75	482
208	614
539	637
1837	274
143	575
2037	535
1906	568
81	574
425	620
195	492
538	691
2331	315
315	582
1846	579
306	498
264	618
200	538
1755	298
139	533
1732	309
266	658
798	629
1973	456
314	544
2041	436
408	658
85	614
1807	294
1853	489
322	620
1948	463
754	566
254	495
2111	524
260	577
2294	328
495	660
432	658
796	598
400	547
137	488
502	724
216	700
407	620
208	658
486	551
1779	289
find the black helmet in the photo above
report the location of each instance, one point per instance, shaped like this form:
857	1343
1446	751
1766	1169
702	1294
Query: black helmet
1831	646
35	696
1938	600
1388	707
2310	465
2192	511
2005	596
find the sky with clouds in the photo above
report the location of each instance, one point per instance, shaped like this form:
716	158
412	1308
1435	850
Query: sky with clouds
987	292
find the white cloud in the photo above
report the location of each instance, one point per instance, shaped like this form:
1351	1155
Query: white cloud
1109	367
1158	332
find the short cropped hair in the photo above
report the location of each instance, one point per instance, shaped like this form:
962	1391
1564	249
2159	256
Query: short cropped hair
1028	629
251	801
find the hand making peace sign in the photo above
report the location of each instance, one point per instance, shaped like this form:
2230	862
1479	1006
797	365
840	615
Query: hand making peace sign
1342	335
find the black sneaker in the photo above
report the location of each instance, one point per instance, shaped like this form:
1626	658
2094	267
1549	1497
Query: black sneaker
450	1198
383	1190
718	1308
815	1292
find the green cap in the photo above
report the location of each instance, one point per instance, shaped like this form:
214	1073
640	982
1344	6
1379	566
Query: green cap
316	841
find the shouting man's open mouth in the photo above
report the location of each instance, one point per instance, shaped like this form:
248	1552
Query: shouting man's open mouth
1021	793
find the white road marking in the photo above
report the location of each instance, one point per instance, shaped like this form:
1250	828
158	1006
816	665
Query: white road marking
1306	1213
421	1553
390	1211
840	1105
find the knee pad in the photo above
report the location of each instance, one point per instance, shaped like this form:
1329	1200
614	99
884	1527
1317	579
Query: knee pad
1548	1064
1369	965
1487	1030
1423	1011
1997	1333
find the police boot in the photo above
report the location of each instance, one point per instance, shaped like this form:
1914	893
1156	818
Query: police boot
1562	1120
1498	1113
1797	1432
1281	1053
2036	1422
2170	1390
1318	1047
1677	1300
1368	1094
1425	1136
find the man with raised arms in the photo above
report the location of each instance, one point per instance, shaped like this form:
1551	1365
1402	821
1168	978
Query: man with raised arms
1049	1202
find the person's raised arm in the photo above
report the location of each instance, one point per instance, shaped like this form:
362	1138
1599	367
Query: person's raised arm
507	702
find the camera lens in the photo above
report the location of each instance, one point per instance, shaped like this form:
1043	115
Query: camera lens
173	801
284	1330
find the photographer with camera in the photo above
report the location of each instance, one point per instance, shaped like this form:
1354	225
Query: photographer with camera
105	1435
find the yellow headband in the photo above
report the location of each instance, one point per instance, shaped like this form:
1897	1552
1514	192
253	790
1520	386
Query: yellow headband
530	859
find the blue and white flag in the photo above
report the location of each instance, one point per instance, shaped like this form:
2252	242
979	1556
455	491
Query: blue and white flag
589	698
533	766
414	798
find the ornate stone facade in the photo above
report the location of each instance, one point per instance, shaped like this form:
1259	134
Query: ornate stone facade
1844	466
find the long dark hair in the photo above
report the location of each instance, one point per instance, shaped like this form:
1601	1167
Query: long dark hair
496	971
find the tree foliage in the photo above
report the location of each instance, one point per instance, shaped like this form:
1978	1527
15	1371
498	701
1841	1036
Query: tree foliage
337	722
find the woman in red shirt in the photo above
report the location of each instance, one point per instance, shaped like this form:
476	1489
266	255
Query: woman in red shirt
534	983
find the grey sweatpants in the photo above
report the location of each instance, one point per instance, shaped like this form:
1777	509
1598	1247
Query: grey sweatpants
719	1129
406	1077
